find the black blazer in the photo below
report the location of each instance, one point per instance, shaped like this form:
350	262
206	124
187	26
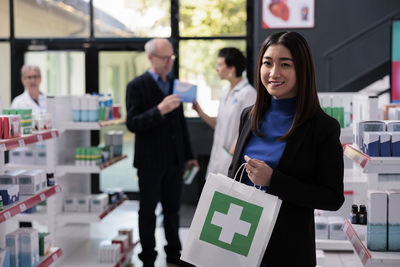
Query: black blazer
309	176
159	140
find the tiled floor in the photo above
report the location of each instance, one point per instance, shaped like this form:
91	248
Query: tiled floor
126	217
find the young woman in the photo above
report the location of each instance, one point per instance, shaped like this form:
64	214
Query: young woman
291	148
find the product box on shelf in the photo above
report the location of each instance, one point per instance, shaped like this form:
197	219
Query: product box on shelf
123	240
11	176
83	203
98	203
29	247
395	144
44	244
377	221
70	203
5	257
9	193
321	227
394	220
12	243
335	228
30	182
109	253
129	233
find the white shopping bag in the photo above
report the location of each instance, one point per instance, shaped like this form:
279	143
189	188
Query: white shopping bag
232	224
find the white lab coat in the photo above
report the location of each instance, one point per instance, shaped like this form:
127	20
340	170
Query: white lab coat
25	101
231	105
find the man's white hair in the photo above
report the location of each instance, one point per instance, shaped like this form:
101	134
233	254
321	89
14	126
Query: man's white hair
151	46
26	68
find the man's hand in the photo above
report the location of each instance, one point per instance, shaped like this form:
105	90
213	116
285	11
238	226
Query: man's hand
168	104
190	163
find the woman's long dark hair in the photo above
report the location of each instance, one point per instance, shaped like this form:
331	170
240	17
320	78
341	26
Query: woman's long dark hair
307	102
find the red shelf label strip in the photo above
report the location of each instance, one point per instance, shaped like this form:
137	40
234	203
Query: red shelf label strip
51	258
358	245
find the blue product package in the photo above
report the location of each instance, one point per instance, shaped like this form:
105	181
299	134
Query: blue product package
385	144
395	144
371	143
187	92
9	193
377	236
5	257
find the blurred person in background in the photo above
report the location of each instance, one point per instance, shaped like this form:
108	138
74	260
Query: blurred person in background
29	99
235	97
162	149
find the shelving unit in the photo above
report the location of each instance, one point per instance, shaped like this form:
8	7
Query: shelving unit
370	258
77	179
381	173
86	217
27	202
61	170
333	245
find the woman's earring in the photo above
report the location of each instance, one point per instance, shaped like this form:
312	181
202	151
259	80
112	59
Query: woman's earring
230	74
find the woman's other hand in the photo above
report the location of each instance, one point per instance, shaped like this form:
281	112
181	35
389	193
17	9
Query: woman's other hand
258	171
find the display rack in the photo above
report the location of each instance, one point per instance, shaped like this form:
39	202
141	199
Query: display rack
387	165
52	257
70	125
86	217
8	144
333	245
10	211
61	170
369	258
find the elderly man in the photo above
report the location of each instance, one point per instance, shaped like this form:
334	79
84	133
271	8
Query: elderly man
162	149
31	78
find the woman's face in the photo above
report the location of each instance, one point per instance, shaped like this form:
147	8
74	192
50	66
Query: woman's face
277	72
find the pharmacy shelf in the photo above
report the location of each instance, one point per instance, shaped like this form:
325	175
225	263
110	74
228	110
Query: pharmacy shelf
7	144
86	217
387	165
29	167
61	170
52	257
369	258
70	125
26	202
333	245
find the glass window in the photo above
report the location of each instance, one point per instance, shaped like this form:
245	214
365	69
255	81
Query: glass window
51	18
132	18
212	17
5	85
197	62
116	70
4	19
63	73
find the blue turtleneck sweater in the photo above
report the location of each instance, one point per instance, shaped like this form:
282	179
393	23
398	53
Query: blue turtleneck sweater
276	122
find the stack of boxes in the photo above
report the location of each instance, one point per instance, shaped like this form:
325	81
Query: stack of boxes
329	228
378	138
111	253
383	227
86	203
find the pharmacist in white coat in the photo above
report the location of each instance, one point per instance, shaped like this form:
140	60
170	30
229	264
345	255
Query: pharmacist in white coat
238	95
29	99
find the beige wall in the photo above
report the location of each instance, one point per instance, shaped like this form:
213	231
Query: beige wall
5	75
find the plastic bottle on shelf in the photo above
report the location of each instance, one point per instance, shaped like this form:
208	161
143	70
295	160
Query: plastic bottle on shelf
109	114
354	214
102	108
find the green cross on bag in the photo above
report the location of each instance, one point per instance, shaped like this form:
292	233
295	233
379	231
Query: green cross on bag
231	223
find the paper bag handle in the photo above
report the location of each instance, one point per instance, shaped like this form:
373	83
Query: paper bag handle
241	175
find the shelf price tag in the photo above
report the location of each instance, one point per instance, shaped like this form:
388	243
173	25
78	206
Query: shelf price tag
39	138
7	215
58	189
21	142
42	197
22	207
2	147
53	134
55	257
